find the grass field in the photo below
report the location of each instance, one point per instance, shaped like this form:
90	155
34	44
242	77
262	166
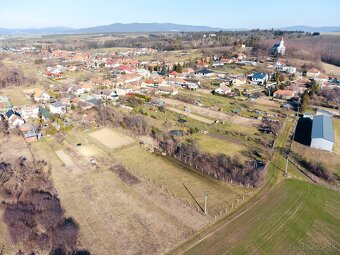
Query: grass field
336	124
16	95
331	69
330	160
215	146
182	182
293	218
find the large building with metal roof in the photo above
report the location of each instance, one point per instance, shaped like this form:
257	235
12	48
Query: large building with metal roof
322	133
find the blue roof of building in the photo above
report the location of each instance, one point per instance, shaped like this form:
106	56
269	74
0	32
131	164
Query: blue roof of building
11	112
259	76
323	127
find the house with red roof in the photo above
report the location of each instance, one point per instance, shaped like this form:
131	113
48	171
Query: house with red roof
284	94
313	72
167	90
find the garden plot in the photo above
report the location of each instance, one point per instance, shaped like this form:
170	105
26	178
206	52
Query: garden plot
111	139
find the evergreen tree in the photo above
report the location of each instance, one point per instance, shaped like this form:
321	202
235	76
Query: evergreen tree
179	68
174	67
277	78
305	100
164	69
314	88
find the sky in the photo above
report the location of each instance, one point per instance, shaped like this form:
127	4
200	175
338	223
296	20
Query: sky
215	13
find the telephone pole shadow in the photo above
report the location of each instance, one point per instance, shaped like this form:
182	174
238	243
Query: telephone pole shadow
193	197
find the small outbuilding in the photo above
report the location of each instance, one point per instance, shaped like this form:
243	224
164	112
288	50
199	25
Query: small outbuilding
322	133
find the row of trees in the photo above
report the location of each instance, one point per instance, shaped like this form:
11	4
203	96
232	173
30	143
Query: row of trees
315	167
33	213
220	167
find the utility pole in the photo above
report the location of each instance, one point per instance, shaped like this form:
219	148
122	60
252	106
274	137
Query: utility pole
205	202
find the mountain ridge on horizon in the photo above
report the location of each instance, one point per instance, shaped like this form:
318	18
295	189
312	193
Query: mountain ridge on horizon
148	27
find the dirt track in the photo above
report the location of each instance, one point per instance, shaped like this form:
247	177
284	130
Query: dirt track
190	115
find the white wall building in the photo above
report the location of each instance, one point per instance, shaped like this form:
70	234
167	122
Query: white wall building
322	133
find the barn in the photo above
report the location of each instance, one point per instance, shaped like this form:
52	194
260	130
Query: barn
322	133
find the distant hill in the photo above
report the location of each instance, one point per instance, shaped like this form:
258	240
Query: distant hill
145	27
312	29
113	28
45	30
149	28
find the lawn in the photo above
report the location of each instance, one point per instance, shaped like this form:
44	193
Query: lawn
179	180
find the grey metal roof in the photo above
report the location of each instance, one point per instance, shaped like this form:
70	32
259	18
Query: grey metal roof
204	71
323	127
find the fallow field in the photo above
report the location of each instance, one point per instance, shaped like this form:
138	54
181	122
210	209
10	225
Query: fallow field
130	201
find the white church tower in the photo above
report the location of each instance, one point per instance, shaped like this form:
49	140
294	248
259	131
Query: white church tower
279	48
